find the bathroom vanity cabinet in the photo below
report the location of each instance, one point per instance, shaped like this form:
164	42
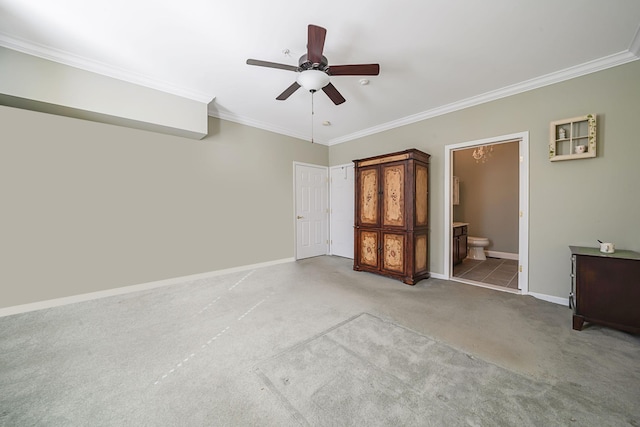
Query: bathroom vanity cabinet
605	288
459	242
391	234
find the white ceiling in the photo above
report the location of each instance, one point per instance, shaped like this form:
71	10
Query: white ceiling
435	55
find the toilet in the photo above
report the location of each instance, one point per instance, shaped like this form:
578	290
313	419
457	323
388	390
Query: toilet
476	247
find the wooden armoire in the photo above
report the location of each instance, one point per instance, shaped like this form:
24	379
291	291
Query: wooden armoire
391	226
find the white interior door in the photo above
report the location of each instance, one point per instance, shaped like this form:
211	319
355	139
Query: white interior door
342	202
311	215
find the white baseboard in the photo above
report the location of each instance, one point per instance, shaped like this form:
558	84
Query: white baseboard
501	255
24	308
550	298
17	309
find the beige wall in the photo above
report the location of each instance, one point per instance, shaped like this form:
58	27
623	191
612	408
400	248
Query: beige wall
88	206
571	202
489	195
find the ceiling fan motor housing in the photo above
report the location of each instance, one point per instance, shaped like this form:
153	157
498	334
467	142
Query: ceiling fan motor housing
305	64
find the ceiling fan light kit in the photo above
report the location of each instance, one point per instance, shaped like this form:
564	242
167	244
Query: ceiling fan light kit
313	80
314	69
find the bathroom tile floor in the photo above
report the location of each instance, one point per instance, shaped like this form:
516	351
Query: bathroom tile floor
494	271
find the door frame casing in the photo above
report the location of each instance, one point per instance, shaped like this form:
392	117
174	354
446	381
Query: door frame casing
295	206
523	202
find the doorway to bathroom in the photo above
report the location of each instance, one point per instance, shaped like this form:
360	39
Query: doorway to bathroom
486	212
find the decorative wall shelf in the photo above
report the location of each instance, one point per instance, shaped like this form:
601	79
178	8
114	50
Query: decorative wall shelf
573	138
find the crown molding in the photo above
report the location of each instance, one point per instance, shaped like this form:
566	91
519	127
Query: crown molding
71	60
66	58
538	82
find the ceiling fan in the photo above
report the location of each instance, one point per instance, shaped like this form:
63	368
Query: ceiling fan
315	71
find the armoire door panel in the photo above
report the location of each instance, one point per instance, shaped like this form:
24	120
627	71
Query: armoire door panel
420	253
393	252
368	196
393	204
369	248
422	206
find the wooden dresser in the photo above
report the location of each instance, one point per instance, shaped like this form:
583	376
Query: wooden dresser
391	215
605	288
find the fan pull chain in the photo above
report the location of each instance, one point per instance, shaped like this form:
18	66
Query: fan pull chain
312	113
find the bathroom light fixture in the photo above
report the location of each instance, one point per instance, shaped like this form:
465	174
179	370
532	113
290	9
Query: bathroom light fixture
482	153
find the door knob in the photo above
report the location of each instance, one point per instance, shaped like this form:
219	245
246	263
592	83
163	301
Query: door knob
299	217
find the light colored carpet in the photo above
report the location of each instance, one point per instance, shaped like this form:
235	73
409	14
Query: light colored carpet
384	374
199	353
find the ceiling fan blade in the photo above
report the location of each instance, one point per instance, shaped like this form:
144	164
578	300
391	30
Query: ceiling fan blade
271	65
333	94
288	91
355	70
315	43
